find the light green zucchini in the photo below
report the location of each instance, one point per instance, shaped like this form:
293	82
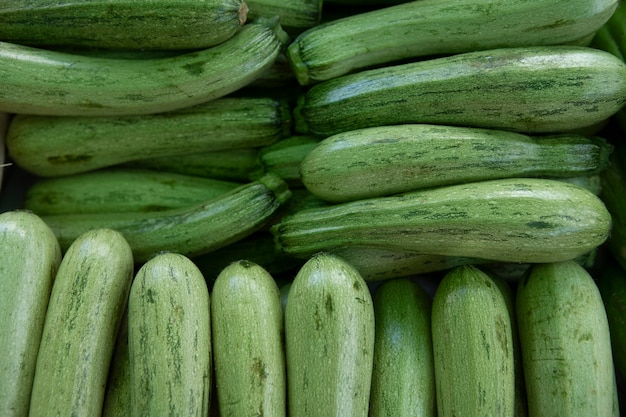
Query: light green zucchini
437	27
403	375
116	190
329	340
52	145
169	339
565	341
191	231
509	220
284	158
117	401
87	301
384	160
535	89
29	258
248	352
45	82
295	15
472	346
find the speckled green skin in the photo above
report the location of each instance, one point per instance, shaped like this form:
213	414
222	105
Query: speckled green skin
526	89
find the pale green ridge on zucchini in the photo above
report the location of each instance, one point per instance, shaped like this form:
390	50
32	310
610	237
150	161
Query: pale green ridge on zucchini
472	346
169	339
29	258
511	220
190	231
566	344
329	340
535	89
248	351
384	160
54	145
117	401
44	82
436	27
86	305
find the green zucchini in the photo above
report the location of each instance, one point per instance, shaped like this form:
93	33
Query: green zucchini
611	281
53	145
284	157
191	231
117	401
384	160
509	220
403	375
86	306
535	89
329	340
295	15
565	341
437	27
116	190
29	259
613	194
472	346
169	339
248	353
46	82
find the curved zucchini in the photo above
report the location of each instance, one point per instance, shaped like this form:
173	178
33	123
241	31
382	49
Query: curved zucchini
45	82
29	258
565	341
169	339
535	89
329	340
86	305
246	313
384	160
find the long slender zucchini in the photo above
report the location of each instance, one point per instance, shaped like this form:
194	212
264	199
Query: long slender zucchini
29	258
566	345
329	340
248	352
611	280
437	27
190	231
384	160
45	82
88	299
169	339
526	89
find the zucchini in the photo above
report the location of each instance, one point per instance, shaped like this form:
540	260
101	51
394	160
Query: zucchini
329	340
46	82
509	220
295	15
437	27
247	329
535	89
191	231
169	339
29	258
472	346
403	375
613	193
384	160
117	401
87	302
53	145
284	158
565	341
115	190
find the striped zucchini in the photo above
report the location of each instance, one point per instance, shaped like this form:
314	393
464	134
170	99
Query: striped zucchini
611	280
46	82
52	145
29	259
384	160
527	89
565	341
284	158
329	340
295	15
121	190
472	346
403	376
247	330
169	339
438	27
190	231
509	220
87	301
117	401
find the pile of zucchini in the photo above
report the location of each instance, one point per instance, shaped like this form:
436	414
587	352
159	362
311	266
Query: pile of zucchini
283	207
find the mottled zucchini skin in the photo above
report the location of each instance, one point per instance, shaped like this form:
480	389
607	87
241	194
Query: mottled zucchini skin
611	280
